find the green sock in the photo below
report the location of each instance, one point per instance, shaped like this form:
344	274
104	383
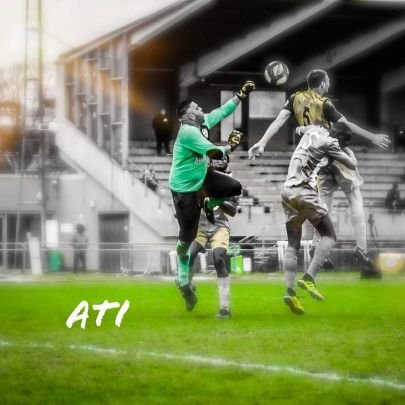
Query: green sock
213	202
183	262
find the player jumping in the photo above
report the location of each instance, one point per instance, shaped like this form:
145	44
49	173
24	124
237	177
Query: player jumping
301	202
189	176
217	235
312	107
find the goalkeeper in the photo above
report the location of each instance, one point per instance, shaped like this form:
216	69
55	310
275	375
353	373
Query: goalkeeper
190	179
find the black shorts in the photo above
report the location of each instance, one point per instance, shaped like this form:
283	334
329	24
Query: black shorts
220	185
187	207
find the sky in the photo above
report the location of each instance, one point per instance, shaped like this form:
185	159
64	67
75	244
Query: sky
67	23
70	23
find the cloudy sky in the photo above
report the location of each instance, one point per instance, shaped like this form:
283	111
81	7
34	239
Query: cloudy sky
68	23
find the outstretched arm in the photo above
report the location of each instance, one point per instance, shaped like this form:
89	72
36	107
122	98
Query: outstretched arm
229	107
221	112
258	148
380	140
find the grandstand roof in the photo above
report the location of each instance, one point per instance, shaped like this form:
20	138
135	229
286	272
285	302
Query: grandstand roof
203	38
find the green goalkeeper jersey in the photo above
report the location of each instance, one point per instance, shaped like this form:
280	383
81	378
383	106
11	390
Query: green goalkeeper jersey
190	160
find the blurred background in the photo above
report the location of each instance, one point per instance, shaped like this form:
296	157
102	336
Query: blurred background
81	82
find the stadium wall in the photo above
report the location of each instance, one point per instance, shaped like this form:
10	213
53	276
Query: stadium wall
29	200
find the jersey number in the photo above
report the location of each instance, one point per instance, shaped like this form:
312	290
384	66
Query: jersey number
305	116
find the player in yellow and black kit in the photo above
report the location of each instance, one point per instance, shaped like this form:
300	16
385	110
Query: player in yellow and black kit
311	106
217	235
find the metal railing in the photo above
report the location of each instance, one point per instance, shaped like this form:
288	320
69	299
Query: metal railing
161	259
151	184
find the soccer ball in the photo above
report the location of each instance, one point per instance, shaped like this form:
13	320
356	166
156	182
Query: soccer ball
276	73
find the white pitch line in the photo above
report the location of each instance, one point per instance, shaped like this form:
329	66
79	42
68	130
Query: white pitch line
218	362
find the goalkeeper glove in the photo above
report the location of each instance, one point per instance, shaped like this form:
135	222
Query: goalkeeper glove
234	139
248	87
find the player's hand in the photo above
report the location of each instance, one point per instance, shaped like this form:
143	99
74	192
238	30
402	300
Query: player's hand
256	150
300	131
381	140
247	88
234	139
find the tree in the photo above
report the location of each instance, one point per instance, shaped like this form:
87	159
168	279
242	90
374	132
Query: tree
12	106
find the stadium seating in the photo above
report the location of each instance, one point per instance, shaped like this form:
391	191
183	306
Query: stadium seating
264	177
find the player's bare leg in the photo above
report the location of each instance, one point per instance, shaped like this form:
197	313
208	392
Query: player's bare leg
223	282
355	199
290	268
322	251
327	198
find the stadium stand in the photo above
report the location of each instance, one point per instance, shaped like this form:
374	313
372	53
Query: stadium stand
263	177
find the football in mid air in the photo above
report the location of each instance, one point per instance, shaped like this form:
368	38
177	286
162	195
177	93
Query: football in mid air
276	73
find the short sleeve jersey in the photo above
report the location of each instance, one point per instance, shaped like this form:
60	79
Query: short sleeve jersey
221	221
310	108
190	160
314	146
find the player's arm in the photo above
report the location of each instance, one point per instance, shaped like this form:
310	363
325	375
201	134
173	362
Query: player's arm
229	107
380	140
333	115
345	156
199	144
258	148
229	206
234	139
349	161
300	131
217	115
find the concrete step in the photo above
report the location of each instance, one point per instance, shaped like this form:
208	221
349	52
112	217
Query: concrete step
263	178
287	155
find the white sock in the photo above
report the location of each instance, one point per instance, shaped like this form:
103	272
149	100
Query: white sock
223	291
360	231
290	267
321	253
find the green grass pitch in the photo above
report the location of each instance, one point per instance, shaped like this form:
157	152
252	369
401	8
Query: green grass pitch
349	349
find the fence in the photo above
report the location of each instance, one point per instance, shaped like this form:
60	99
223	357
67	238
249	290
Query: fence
152	259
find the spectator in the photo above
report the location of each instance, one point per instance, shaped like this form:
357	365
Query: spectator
149	178
163	131
400	138
372	227
79	243
393	198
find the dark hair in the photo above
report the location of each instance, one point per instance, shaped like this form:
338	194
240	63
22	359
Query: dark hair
315	78
183	107
342	133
